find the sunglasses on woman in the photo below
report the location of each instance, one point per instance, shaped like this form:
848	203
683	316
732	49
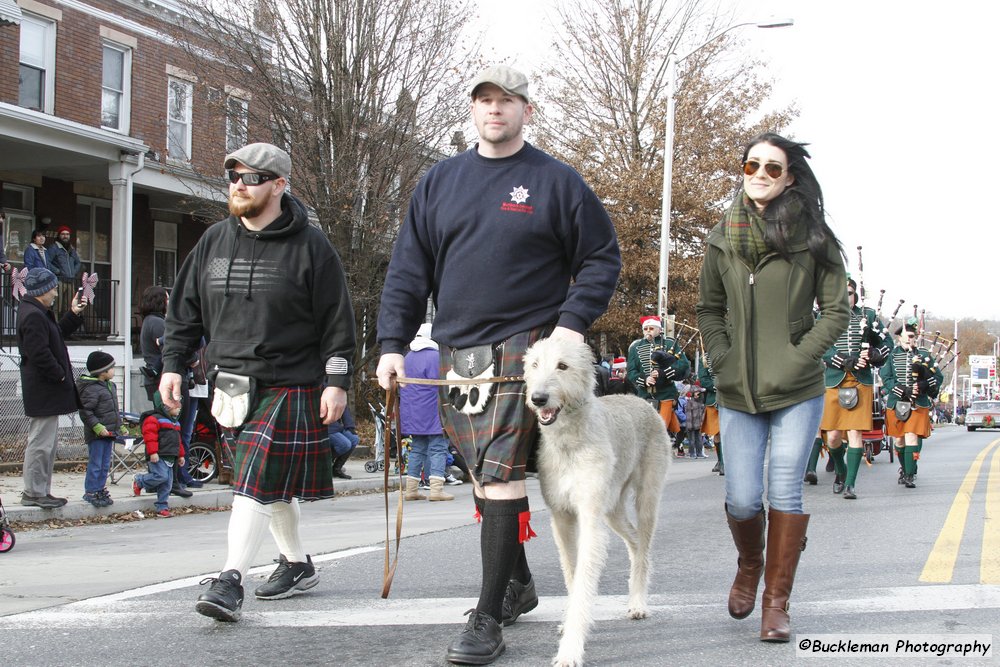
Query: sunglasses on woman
772	169
250	177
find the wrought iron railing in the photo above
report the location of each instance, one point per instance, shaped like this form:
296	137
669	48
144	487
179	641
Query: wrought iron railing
100	319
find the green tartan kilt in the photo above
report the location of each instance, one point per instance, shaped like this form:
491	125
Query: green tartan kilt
501	437
283	450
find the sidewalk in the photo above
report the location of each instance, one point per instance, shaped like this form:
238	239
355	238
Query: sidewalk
69	485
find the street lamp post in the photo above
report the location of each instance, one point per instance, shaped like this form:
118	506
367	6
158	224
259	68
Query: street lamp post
668	155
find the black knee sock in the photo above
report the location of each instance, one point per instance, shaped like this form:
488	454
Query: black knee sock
502	550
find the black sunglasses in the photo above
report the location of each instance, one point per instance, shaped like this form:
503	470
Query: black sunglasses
772	169
249	177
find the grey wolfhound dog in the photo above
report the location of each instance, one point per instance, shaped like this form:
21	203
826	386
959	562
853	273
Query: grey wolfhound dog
597	457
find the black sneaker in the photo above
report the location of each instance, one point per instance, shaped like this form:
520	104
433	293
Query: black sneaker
180	491
288	579
518	599
224	598
480	643
849	493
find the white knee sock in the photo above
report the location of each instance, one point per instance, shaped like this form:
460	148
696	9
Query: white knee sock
285	529
247	524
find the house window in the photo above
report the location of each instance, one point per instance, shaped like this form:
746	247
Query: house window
164	253
115	87
237	120
179	95
36	75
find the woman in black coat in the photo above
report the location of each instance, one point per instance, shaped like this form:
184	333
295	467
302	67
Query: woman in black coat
47	384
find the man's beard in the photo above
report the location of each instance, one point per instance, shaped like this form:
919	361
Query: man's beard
245	207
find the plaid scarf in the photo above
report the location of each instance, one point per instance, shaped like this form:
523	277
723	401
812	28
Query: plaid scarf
745	230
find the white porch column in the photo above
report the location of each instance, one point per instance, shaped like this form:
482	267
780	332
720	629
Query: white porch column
120	175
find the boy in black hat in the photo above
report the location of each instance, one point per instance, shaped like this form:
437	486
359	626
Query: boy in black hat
101	421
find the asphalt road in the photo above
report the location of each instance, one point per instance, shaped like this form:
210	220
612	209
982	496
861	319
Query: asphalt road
895	562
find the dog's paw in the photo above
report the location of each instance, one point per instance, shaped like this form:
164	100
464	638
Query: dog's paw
636	613
567	661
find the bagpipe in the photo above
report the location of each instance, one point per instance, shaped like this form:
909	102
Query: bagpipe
873	334
664	358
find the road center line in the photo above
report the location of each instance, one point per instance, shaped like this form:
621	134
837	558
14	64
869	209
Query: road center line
940	565
989	565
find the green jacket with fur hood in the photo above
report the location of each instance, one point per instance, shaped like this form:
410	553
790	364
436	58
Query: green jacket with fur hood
758	326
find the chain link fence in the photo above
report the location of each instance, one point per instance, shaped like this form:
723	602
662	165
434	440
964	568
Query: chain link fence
14	424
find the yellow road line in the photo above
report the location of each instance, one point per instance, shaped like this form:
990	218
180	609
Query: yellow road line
989	565
940	565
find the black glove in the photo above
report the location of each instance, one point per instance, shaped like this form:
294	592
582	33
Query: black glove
902	391
851	362
875	357
668	374
922	386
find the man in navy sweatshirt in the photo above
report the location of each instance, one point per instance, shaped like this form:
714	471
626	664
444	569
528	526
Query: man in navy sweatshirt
513	246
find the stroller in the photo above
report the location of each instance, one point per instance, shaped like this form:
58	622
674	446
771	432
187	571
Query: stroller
378	463
6	534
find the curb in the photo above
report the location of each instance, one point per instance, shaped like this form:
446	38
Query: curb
212	495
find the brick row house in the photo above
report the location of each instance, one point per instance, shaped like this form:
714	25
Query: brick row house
106	128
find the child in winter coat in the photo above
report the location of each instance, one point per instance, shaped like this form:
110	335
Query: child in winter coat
101	422
161	432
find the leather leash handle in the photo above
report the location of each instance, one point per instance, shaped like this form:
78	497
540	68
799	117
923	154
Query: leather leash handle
392	425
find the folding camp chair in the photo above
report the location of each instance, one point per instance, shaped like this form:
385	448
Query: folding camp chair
128	456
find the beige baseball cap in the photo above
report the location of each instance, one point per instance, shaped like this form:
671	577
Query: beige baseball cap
262	157
507	78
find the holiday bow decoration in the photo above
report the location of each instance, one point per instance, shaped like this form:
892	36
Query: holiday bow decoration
89	283
17	279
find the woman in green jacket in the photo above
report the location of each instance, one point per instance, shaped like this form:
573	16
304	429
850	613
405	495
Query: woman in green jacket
770	259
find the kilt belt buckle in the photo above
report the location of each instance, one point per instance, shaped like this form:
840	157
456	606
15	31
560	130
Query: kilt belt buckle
847	397
903	410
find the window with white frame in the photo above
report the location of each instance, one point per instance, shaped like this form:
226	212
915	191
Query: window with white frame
36	74
116	87
179	94
237	122
164	253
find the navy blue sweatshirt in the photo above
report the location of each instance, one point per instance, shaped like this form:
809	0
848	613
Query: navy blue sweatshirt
504	245
272	304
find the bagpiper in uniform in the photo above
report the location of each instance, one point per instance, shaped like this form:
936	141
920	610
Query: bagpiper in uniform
710	425
850	388
643	373
911	380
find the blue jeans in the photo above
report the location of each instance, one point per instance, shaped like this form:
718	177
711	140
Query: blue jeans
343	442
158	480
429	452
792	431
98	464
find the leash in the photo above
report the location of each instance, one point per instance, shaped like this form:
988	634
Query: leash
393	426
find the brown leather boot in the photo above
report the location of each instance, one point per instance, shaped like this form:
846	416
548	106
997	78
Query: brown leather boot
786	540
748	535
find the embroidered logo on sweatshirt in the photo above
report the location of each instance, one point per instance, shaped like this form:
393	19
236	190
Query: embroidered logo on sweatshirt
517	198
